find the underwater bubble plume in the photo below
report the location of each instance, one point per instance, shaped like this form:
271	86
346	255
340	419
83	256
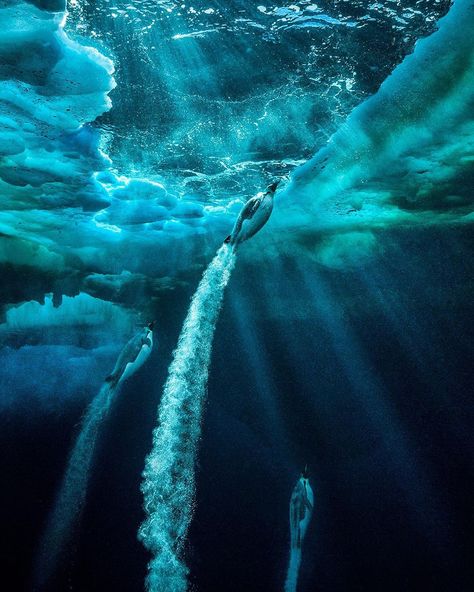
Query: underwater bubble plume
71	496
168	479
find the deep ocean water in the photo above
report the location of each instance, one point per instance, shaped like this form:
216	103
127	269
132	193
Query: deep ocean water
339	337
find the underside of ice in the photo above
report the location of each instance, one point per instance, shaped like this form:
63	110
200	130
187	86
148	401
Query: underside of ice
76	224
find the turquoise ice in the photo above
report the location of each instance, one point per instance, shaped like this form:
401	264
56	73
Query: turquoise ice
401	156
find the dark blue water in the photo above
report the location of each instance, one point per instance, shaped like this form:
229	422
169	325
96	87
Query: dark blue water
366	375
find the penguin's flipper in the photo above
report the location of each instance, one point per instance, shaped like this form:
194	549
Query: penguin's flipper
249	209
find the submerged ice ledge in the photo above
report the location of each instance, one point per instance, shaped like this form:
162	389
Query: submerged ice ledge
65	218
403	156
407	153
49	322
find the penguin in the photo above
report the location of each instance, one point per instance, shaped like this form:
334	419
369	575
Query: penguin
133	356
253	216
301	509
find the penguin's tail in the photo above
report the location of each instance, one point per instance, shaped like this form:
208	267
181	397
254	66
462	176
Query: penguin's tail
227	240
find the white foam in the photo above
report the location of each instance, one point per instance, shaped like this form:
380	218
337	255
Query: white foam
168	478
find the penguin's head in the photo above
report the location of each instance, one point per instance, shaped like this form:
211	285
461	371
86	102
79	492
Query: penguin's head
305	472
151	325
272	187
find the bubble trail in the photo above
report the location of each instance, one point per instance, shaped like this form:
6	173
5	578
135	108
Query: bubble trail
71	497
169	476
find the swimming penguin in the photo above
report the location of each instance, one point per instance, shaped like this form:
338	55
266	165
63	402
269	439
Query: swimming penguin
301	509
253	216
133	356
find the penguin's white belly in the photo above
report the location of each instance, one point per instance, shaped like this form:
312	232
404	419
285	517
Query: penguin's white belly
303	525
299	526
132	367
252	226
